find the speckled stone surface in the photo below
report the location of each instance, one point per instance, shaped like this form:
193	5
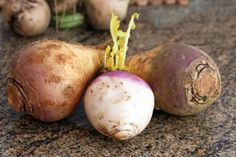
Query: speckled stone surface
208	24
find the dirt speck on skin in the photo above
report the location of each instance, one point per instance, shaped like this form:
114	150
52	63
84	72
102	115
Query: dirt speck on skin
36	58
101	117
54	46
54	79
62	59
69	93
49	103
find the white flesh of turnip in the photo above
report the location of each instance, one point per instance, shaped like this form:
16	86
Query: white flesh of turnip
119	104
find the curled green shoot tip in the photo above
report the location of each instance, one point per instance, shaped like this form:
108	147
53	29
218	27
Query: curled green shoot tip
115	55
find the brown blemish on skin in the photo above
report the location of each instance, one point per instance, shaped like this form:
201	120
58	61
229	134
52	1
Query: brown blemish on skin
62	58
54	79
115	122
68	91
54	46
36	58
100	118
124	98
49	103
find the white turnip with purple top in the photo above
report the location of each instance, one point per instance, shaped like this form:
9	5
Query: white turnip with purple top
117	103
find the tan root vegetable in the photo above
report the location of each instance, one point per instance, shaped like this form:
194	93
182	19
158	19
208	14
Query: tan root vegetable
60	6
48	78
27	17
100	11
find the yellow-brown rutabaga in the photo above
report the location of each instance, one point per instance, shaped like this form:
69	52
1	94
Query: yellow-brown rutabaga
48	78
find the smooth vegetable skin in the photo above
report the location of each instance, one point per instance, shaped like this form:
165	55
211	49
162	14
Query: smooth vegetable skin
48	78
99	12
119	104
27	18
184	79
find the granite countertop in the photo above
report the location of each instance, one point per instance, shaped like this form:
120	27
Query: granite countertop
210	25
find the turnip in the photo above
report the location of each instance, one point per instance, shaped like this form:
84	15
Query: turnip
99	11
28	18
117	103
